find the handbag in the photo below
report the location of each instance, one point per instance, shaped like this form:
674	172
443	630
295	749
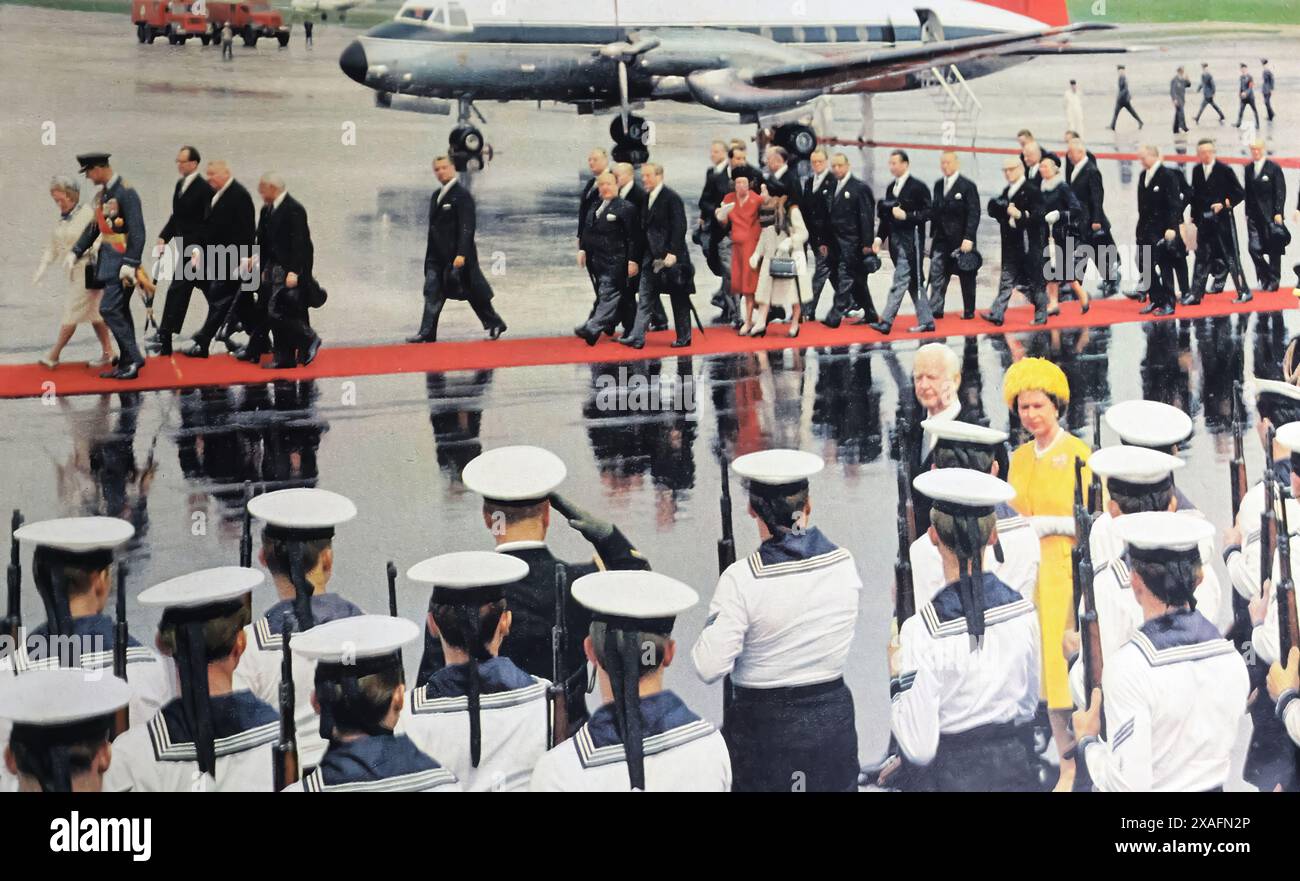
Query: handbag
781	267
92	283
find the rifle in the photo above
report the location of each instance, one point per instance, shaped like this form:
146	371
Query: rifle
122	718
726	544
1288	618
392	589
1082	527
246	530
1094	488
906	509
284	753
904	590
1237	467
558	692
14	619
1268	524
1089	629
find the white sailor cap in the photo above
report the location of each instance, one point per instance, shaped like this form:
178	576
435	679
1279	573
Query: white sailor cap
514	474
1148	423
963	491
778	467
77	535
952	431
1289	436
1138	464
63	696
1276	387
468	577
634	599
206	587
302	513
357	638
1162	535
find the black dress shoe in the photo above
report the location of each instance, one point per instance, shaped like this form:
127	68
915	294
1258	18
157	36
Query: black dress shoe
832	320
496	331
277	364
1189	300
249	354
130	371
1243	297
938	315
1039	319
679	344
656	326
194	349
312	349
966	315
1166	309
1148	309
920	328
164	344
635	344
421	338
879	327
991	319
589	338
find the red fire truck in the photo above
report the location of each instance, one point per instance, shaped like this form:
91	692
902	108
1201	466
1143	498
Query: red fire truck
177	20
249	19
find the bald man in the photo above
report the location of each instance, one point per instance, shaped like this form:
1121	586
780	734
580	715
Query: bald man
1015	210
1265	226
955	219
227	234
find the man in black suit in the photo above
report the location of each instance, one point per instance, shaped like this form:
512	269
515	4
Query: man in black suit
598	164
936	381
1084	178
717	183
1123	100
1265	205
955	219
1160	212
1266	89
666	263
1015	211
851	224
780	178
611	253
1246	92
1032	153
815	206
1215	193
630	191
190	201
286	256
451	267
227	235
903	212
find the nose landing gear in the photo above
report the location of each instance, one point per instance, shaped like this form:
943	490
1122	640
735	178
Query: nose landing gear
467	147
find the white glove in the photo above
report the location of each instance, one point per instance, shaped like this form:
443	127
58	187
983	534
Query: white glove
1045	526
1053	216
126	273
70	261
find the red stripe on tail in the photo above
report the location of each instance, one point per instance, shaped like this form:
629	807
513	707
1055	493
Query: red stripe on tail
1052	12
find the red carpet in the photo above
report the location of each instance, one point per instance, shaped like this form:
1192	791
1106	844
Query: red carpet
1283	161
32	380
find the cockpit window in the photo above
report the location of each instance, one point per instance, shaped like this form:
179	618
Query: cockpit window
432	14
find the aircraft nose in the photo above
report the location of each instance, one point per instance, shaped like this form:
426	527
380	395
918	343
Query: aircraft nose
353	62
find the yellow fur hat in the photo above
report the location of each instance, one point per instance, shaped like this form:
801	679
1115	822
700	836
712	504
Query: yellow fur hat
1035	374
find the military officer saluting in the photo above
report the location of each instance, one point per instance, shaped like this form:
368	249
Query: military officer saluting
62	720
120	247
643	737
964	684
298	551
359	692
1015	555
518	487
215	737
1174	694
780	624
484	718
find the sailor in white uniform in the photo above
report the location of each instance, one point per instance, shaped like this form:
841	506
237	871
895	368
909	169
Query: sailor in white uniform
1173	695
1283	689
359	693
1137	480
62	720
780	624
72	566
1014	558
964	686
643	738
215	737
481	716
1155	426
298	551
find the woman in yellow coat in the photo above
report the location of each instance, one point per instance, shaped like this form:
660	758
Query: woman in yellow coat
1042	472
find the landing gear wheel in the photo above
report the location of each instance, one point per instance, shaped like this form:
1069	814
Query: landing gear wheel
466	148
631	152
638	130
150	36
797	140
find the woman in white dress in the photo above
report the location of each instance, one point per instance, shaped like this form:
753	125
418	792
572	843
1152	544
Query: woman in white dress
783	240
82	303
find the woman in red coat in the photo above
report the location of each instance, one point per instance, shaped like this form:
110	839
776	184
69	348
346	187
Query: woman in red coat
739	213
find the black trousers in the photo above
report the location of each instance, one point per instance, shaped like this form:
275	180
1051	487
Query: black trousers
1268	105
227	302
1017	273
1124	104
178	304
287	315
1155	273
800	739
990	758
1180	119
478	293
610	283
1208	101
851	290
647	301
942	268
1271	756
1267	259
1212	256
1241	110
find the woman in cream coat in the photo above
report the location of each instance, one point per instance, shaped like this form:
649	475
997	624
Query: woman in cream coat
81	304
784	238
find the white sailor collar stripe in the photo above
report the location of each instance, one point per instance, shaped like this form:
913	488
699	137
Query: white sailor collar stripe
592	756
1007	524
1120	570
1177	654
137	654
418	781
759	569
422	703
957	626
164	750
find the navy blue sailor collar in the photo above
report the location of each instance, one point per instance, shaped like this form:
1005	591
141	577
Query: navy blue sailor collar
386	761
324	607
495	675
1179	635
791	547
240	721
97	637
944	615
660	713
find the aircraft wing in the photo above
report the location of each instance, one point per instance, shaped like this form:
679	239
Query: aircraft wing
833	70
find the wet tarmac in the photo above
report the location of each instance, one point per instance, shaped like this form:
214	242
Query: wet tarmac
175	462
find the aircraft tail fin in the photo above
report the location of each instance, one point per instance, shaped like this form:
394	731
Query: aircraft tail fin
1052	12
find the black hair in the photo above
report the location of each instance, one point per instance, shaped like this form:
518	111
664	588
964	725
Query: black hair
452	621
976	458
1172	581
192	153
1135	498
901	154
277	552
34	746
779	512
652	647
364	708
1278	410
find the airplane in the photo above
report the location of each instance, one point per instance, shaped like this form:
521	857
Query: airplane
761	62
325	7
